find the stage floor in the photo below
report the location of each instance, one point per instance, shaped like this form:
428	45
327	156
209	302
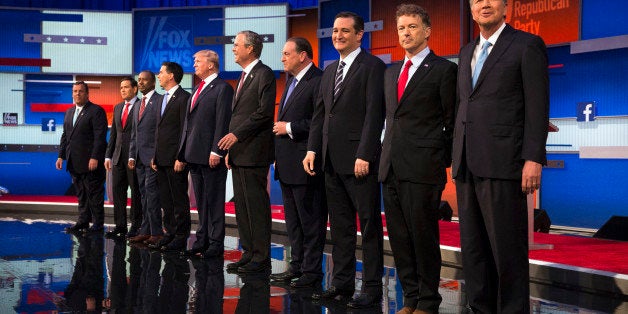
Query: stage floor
41	267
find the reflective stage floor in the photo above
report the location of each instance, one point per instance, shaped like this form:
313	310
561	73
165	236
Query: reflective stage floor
44	270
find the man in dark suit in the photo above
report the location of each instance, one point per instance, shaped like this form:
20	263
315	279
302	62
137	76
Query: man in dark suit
172	175
83	144
206	122
117	160
498	153
250	145
141	151
304	201
345	137
420	105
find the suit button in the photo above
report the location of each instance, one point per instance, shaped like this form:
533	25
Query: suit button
331	115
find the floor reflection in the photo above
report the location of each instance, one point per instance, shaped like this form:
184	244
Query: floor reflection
44	270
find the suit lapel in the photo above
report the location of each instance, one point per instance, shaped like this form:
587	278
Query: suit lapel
297	89
352	70
501	46
247	81
418	75
80	116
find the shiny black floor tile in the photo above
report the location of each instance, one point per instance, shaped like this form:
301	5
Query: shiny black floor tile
45	270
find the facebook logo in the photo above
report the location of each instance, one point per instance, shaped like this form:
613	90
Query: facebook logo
48	125
586	111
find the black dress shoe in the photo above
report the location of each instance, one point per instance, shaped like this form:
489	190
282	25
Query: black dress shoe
176	245
132	232
235	265
366	300
332	293
76	228
94	229
305	282
254	267
115	233
285	276
161	243
212	252
192	252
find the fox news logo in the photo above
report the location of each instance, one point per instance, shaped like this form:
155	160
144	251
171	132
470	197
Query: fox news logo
9	118
586	111
48	125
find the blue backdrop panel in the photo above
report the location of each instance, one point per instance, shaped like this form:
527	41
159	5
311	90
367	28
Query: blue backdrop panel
168	35
47	93
15	25
595	76
327	12
586	193
599	21
33	173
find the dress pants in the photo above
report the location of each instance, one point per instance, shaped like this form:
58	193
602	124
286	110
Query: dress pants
252	211
412	223
346	196
305	210
209	189
90	190
173	195
493	232
151	208
123	177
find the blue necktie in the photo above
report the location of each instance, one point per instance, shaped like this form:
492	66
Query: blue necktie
290	89
164	103
480	62
76	114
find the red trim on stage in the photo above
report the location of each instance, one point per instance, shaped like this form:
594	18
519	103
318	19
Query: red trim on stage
41	107
25	62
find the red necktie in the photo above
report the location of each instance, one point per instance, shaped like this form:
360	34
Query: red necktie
125	114
403	80
198	91
142	107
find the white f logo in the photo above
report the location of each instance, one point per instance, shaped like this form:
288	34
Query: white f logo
51	123
587	112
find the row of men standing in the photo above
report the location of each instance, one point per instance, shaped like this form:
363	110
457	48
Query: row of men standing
498	150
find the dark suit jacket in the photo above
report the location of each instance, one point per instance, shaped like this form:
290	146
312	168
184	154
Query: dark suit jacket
289	152
350	127
85	140
169	127
142	147
419	128
120	137
207	123
252	119
505	117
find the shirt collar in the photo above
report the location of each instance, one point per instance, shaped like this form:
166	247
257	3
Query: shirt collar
249	67
301	74
493	37
418	58
348	60
149	94
172	90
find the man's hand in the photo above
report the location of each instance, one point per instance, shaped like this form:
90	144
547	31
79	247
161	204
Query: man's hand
107	164
93	164
531	176
59	164
308	163
153	165
361	168
179	166
280	128
214	160
131	164
227	161
227	141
